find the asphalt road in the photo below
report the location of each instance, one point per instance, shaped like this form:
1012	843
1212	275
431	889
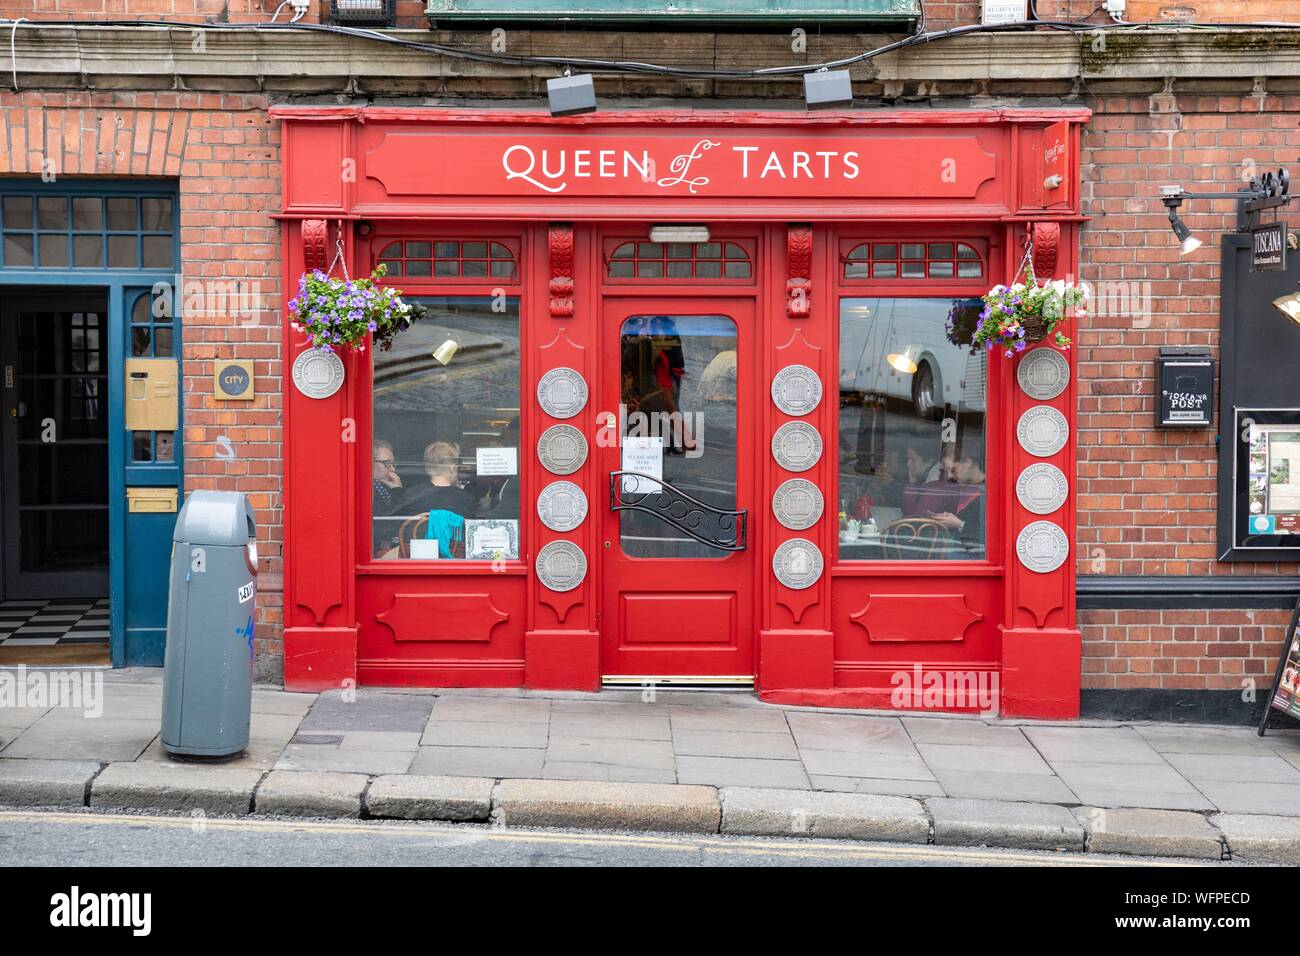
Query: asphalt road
88	839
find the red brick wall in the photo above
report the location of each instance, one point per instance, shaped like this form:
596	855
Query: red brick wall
224	149
1146	497
1181	650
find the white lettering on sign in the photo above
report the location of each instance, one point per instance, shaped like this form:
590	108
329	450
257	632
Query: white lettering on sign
551	168
245	592
524	162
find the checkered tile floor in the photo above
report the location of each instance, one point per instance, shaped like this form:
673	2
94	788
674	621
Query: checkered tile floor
46	623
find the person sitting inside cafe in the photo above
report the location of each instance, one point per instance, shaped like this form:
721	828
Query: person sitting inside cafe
966	521
387	492
447	503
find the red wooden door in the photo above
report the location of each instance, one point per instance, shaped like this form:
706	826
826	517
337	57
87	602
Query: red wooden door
678	568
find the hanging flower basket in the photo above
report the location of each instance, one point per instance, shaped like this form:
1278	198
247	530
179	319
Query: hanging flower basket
1020	314
340	313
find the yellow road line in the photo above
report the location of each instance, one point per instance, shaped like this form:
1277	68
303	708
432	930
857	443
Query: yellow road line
703	841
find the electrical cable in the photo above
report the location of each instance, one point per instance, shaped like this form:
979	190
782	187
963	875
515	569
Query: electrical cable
632	66
13	49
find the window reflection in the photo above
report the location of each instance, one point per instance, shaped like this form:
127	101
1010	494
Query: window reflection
678	398
445	455
912	430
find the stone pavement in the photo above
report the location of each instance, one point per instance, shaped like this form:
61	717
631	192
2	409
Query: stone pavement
970	772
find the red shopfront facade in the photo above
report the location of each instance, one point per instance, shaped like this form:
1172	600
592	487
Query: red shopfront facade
839	243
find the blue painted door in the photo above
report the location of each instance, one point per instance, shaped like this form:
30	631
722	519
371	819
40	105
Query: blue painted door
151	459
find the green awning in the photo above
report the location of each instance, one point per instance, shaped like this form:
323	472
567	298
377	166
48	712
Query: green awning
873	13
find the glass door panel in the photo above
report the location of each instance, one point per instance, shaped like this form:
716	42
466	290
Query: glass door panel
678	407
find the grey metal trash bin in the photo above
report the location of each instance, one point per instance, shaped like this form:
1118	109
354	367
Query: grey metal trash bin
208	668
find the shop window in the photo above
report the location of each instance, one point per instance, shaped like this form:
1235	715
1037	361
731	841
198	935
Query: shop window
445	450
88	231
717	259
449	259
913	260
912	481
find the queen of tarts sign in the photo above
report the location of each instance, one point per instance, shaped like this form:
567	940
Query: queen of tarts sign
831	165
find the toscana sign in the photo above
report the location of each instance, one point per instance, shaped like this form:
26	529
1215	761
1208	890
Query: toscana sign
720	164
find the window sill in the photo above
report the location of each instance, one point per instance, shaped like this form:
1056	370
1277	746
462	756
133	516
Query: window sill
449	567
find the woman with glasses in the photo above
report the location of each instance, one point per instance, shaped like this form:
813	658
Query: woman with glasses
388	495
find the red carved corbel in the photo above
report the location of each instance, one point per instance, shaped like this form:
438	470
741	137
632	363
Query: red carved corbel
560	241
315	240
798	259
1047	246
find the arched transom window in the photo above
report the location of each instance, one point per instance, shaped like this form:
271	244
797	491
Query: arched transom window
449	259
892	259
715	259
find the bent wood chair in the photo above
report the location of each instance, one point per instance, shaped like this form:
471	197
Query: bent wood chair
914	539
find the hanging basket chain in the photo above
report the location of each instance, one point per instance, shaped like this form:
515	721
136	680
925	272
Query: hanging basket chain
339	258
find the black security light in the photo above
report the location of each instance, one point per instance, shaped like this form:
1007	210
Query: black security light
1187	241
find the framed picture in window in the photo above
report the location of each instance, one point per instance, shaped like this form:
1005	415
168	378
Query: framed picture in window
490	539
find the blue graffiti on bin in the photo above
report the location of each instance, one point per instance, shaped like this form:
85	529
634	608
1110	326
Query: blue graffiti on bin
247	633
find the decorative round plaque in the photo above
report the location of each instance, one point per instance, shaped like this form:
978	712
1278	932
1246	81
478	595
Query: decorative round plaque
797	563
1042	488
1042	546
1042	431
797	504
796	390
562	393
561	566
562	506
796	446
317	373
1043	373
561	449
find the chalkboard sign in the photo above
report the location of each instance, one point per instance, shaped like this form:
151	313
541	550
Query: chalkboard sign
1185	389
1285	693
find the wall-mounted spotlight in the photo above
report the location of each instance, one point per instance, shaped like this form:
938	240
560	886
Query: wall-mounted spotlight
570	95
1289	305
828	89
1269	191
1172	197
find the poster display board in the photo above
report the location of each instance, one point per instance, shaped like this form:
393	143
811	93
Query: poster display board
1267	478
1285	693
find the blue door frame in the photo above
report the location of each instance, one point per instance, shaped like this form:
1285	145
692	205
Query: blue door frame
140	543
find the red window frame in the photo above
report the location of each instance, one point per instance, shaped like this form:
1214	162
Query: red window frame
986	245
515	239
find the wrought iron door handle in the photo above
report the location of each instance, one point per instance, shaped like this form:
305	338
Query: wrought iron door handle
675	507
